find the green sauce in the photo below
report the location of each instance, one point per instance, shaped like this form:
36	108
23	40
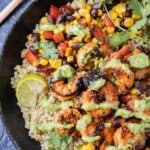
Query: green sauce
123	113
64	71
86	56
90	139
139	128
95	85
104	105
114	63
127	114
139	61
52	125
83	122
142	105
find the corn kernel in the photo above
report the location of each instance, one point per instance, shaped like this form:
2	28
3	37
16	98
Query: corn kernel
110	30
94	21
120	15
88	7
96	62
134	91
35	63
135	17
117	21
128	22
43	62
87	38
44	20
88	18
41	32
100	12
56	63
68	51
95	40
113	14
76	15
83	12
41	37
41	51
70	59
120	8
87	147
77	39
75	22
70	43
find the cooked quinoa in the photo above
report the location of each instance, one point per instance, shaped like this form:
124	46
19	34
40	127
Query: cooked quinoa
95	57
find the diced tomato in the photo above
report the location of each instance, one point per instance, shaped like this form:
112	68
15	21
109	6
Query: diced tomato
48	35
31	57
61	48
58	37
54	12
108	22
125	50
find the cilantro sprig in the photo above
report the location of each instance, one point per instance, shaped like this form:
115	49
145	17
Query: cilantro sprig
139	8
59	142
49	49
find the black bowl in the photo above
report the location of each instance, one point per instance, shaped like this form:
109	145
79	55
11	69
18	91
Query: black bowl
10	57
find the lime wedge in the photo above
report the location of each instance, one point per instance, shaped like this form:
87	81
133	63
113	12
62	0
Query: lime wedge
29	88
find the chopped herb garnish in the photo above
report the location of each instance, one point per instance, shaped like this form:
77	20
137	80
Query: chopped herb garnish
59	142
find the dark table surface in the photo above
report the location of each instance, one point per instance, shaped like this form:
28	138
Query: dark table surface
5	28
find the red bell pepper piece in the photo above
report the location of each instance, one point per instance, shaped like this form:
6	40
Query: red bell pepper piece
108	22
54	12
48	35
58	37
31	57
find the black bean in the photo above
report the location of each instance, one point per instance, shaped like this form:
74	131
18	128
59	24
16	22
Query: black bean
64	62
85	82
94	12
144	49
96	6
128	8
70	18
36	37
122	24
127	13
68	36
148	90
68	12
53	21
60	18
76	46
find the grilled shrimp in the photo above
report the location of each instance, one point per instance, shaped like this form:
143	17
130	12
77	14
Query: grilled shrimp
92	96
124	137
68	116
125	50
109	92
109	132
65	91
124	81
86	54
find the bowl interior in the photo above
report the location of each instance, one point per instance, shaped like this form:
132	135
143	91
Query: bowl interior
11	57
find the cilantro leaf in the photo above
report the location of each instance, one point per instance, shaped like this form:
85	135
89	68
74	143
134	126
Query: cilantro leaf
138	25
50	50
59	142
54	139
136	6
118	39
